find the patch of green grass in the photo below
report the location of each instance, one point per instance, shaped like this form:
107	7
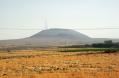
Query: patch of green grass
90	49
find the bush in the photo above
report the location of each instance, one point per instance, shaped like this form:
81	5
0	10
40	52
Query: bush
110	51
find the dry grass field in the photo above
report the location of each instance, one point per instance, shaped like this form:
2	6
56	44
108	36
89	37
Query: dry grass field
53	64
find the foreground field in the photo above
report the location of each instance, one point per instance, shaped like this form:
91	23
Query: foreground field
52	64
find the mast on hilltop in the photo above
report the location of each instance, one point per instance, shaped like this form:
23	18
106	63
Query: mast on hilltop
45	24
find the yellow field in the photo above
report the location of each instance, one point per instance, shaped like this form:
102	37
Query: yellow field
52	64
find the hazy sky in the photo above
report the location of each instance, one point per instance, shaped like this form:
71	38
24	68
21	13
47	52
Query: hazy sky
72	14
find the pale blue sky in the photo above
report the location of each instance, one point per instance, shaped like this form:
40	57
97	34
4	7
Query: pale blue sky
71	14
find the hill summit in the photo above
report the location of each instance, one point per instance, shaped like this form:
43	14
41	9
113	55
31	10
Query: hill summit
61	35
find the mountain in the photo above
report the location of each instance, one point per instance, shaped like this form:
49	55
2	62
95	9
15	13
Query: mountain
52	37
61	35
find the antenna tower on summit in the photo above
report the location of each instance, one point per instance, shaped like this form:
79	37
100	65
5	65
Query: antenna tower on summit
45	24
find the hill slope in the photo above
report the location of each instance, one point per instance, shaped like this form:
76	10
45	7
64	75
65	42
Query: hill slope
52	37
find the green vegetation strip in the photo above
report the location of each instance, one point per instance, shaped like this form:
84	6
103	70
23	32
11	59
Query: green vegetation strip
89	49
